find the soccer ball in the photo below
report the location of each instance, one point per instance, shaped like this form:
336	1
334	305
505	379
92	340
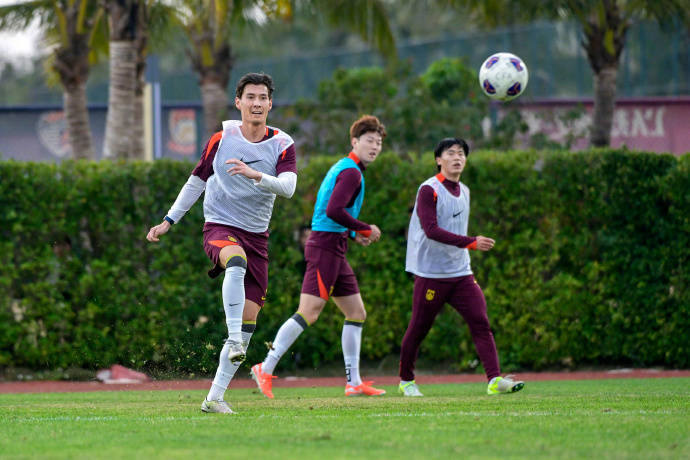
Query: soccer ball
503	76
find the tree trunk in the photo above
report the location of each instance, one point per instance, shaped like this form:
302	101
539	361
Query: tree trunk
71	63
214	99
120	120
141	42
138	148
604	39
77	116
604	104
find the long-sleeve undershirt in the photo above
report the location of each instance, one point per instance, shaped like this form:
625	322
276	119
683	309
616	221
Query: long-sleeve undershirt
347	186
426	211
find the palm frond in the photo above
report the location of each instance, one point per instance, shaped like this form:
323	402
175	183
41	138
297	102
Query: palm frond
19	16
367	18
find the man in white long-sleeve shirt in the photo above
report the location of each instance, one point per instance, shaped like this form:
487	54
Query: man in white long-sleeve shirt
237	209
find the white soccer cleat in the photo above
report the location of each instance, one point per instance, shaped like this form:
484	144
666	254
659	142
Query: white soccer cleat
219	407
236	351
504	385
409	389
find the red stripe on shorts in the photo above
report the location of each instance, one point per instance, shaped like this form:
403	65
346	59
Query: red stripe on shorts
223	243
323	292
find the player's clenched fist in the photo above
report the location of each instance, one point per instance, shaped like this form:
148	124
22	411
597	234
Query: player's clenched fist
363	240
158	230
375	233
240	167
484	243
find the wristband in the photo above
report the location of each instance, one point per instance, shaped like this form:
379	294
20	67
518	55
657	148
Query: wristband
169	220
365	233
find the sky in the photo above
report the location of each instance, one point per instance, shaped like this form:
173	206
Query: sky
15	46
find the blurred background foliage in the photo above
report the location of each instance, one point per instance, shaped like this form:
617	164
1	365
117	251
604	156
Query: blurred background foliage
417	110
590	266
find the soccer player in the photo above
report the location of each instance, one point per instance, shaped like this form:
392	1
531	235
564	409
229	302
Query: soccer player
438	256
242	169
328	273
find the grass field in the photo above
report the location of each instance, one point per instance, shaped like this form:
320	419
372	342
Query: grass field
622	418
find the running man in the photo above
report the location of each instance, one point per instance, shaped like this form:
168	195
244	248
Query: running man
237	209
328	273
438	256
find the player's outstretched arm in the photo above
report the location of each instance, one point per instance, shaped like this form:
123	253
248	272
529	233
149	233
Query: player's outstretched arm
157	231
189	194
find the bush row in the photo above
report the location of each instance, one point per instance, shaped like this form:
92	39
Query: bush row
590	265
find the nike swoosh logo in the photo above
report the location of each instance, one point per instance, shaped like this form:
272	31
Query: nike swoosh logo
457	214
233	304
249	162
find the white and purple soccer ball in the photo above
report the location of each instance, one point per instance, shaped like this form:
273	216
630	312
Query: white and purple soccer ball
503	76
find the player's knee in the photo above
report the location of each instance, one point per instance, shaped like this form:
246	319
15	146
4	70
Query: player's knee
310	313
310	316
359	315
233	253
236	261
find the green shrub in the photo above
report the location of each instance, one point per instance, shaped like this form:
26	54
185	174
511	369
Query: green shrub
590	265
417	110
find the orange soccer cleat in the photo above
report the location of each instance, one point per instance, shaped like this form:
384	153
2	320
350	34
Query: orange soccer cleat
363	389
263	380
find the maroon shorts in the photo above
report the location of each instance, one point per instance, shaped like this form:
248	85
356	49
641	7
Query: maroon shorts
327	274
255	245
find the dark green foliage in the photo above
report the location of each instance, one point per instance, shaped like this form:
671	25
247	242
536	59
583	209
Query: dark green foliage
590	265
444	101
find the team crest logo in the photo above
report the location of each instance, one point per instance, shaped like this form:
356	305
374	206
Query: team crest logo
52	132
182	129
430	293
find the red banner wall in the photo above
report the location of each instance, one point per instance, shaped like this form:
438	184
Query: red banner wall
651	124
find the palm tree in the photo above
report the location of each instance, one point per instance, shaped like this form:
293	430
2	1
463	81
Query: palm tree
122	25
208	25
604	26
131	24
72	26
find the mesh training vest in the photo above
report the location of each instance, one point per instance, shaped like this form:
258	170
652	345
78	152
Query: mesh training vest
428	258
235	200
320	221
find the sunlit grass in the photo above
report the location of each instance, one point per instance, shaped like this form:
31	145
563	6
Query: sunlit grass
626	418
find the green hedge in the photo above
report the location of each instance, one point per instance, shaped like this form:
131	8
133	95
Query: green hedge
591	264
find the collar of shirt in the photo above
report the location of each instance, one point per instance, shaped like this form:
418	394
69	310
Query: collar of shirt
352	156
452	187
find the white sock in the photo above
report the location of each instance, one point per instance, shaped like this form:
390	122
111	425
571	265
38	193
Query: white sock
286	336
352	342
226	368
233	296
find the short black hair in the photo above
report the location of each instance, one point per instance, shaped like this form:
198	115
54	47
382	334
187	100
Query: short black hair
255	79
447	143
